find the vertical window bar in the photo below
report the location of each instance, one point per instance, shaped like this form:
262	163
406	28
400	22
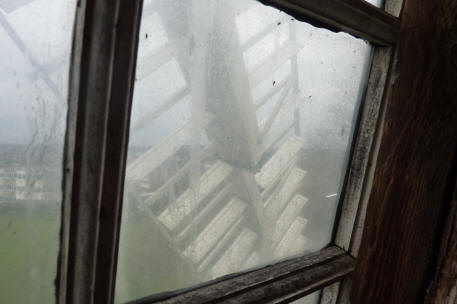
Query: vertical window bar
352	219
127	30
94	157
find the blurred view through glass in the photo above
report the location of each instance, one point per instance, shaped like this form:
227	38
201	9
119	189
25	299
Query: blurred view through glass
240	134
35	42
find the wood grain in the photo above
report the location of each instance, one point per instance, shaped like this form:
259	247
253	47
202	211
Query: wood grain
443	288
281	282
418	143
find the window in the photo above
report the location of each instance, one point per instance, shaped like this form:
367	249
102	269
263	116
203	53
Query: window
241	127
35	39
214	150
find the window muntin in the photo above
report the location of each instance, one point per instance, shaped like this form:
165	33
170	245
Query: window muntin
35	39
194	179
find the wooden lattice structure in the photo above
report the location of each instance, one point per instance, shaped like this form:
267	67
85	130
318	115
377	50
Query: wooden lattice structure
234	201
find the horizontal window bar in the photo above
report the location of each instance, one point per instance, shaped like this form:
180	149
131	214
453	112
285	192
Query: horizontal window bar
357	18
284	281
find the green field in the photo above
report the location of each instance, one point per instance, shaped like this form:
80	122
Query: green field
28	258
146	263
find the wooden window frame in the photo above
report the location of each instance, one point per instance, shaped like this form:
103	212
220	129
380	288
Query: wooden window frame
411	196
100	96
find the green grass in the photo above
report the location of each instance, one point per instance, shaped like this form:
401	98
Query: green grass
147	265
28	256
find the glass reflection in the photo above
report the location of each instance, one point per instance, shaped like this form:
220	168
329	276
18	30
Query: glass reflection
35	40
241	126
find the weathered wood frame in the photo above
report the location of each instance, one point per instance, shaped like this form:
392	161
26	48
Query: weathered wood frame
280	283
356	17
414	180
101	85
349	226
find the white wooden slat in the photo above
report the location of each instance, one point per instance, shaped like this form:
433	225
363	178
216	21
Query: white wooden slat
294	241
236	254
160	152
213	233
293	210
279	161
222	245
279	199
151	197
155	156
197	221
191	198
276	139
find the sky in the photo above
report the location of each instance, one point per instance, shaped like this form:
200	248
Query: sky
33	37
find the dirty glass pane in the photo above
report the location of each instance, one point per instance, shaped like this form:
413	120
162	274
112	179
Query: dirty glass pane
35	41
241	126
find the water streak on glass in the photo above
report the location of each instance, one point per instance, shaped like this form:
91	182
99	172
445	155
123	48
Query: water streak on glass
241	126
35	40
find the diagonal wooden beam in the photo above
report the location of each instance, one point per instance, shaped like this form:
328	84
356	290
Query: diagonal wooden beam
357	18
